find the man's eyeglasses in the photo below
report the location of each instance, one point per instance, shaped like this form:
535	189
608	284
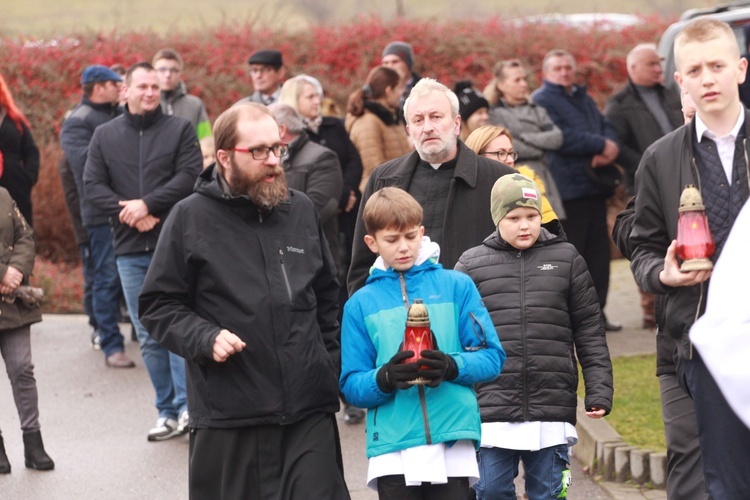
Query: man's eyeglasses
263	152
502	155
174	71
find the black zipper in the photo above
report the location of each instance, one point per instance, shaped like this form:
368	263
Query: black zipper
283	273
524	346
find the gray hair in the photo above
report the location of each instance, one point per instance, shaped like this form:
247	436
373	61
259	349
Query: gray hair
427	86
286	115
557	53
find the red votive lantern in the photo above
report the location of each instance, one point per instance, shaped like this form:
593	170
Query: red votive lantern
418	336
695	245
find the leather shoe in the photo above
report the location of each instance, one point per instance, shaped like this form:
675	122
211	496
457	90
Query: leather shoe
119	360
609	326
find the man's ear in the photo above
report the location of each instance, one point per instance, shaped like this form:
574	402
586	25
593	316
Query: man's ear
222	157
743	70
371	243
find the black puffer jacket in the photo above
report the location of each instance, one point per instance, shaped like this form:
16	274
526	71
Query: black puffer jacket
152	157
268	278
543	304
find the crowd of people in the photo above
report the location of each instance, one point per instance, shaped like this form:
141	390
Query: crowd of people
278	262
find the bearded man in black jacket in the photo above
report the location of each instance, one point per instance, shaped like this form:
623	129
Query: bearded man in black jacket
244	287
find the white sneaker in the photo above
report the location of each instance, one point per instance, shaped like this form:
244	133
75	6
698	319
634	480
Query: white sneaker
165	428
182	423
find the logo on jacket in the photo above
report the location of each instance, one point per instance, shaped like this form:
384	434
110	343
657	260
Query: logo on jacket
547	267
295	250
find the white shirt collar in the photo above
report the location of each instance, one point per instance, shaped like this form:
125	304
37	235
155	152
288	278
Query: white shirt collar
701	128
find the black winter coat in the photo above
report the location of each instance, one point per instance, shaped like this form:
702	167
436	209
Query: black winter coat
266	277
153	157
20	163
467	216
636	126
75	138
543	304
666	168
334	136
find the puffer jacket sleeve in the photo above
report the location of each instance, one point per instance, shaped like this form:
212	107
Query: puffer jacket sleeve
164	303
368	136
358	360
483	357
589	337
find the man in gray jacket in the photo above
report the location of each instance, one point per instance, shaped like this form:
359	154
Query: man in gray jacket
312	169
174	97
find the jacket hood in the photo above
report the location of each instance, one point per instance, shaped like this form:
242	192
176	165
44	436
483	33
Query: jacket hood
208	185
551	233
429	253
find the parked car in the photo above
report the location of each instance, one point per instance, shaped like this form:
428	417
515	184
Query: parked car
736	14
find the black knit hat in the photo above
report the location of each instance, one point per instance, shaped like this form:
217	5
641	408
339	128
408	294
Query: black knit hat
470	100
267	57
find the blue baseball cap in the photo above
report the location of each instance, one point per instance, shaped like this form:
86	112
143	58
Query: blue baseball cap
98	73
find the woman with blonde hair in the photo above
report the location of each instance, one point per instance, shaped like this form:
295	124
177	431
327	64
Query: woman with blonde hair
372	120
497	143
533	130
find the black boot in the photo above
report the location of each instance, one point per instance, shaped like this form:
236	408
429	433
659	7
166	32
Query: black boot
33	451
4	464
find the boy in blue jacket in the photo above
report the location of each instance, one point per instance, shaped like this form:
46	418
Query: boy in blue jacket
421	438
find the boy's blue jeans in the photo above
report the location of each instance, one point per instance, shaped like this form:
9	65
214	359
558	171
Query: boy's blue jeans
543	471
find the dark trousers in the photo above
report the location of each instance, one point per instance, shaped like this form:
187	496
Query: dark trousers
394	488
277	462
684	462
586	228
724	438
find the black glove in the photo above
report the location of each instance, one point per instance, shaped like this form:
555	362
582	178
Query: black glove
394	375
439	365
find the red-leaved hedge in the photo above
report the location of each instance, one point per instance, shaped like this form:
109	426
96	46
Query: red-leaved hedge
44	75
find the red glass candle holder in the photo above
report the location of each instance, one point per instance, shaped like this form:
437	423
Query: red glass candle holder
695	246
418	336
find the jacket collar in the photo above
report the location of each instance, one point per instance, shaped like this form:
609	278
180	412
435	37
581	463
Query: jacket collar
144	121
559	89
296	146
385	115
107	107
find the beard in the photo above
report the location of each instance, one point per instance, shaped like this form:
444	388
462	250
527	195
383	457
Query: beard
263	194
437	153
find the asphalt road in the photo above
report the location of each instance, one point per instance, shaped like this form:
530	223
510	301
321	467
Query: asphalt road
94	424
